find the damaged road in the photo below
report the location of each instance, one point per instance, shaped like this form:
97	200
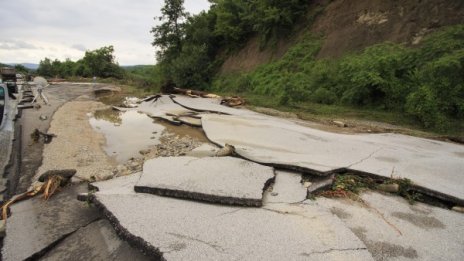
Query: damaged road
203	181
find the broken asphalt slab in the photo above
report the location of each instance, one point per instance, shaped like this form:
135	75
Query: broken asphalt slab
287	188
97	241
208	105
223	180
434	165
175	229
163	108
36	225
393	229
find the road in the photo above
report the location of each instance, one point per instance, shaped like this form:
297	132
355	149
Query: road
176	199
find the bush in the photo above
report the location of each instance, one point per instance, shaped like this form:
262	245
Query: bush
324	96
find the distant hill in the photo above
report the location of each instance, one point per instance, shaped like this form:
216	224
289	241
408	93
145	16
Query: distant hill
31	66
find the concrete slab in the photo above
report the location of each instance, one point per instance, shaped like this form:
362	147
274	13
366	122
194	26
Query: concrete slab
287	188
431	164
97	241
427	232
120	185
223	180
175	229
205	150
163	108
36	224
208	105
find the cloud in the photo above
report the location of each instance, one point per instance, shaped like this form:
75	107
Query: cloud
16	44
79	47
73	26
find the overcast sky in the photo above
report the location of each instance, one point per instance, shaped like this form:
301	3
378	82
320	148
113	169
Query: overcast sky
33	29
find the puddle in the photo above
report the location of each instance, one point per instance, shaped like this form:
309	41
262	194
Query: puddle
126	133
185	130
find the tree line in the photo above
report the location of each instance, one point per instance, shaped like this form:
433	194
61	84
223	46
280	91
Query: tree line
100	63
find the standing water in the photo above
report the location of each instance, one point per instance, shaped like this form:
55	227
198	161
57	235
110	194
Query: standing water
126	133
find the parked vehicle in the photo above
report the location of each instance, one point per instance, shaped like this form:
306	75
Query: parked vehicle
9	78
3	104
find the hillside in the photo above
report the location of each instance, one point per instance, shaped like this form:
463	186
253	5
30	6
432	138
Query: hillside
351	25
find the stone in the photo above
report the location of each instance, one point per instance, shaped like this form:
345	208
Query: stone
223	180
287	188
340	124
227	150
391	188
36	224
458	209
205	150
174	229
393	229
432	165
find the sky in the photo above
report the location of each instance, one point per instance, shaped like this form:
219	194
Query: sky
31	30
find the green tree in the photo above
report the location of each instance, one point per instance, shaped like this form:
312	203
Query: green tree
45	68
21	68
101	63
169	34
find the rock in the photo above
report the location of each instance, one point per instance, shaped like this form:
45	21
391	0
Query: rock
43	117
458	209
227	150
144	152
391	188
340	124
307	184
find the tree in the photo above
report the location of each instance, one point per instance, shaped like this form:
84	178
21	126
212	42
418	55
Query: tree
101	63
45	68
168	35
21	68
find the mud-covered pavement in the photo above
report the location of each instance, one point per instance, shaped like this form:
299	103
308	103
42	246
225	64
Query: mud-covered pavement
241	186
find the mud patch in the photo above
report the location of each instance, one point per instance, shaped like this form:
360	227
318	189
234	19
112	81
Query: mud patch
419	220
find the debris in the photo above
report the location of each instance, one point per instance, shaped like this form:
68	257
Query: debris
392	187
340	124
43	117
48	188
194	93
307	184
36	134
143	152
320	184
458	209
227	150
233	101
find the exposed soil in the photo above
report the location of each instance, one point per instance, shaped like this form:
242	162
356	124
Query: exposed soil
351	25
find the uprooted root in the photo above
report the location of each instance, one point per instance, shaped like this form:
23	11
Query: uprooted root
48	189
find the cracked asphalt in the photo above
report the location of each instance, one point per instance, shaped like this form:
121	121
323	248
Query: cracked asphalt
118	222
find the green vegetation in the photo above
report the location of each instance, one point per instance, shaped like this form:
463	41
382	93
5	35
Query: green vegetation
424	83
190	47
350	186
99	63
420	86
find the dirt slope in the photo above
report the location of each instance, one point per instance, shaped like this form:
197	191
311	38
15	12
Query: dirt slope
351	25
